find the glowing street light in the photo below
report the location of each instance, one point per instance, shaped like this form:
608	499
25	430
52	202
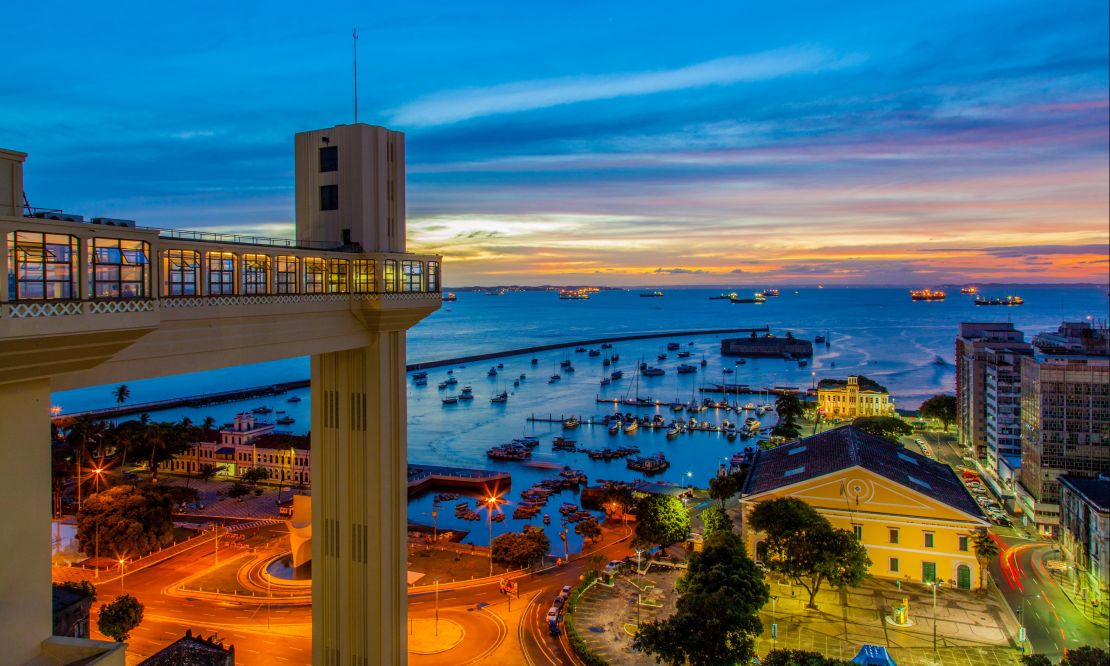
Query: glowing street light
121	574
491	503
935	583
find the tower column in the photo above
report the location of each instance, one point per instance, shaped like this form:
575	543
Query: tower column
359	503
25	603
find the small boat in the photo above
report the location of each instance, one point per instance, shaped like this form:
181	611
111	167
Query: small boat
522	376
530	442
615	427
466	396
683	354
451	381
420	375
727	371
569	368
468	389
500	366
594	352
651	294
819	339
741	361
606	345
280	411
451	400
704	362
262	410
570	423
564	363
580	350
443	385
615	357
286	420
492	372
616	374
554	378
675	430
632	427
423	381
606	362
661	357
654	372
671	346
535	361
686	368
516	382
546	519
563	444
605	381
500	397
295	398
450	296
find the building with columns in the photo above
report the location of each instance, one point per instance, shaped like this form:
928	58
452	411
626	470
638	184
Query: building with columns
108	301
838	399
245	445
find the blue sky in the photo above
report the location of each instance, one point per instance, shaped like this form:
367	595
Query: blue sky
616	142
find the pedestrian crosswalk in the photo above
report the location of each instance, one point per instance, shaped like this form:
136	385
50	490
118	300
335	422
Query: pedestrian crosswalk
239	527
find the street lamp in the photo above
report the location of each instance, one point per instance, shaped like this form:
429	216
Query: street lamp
121	573
96	529
1021	617
437	605
638	553
774	626
491	504
934	584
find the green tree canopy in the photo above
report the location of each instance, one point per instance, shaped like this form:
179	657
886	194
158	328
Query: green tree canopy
940	407
619	494
803	545
238	490
784	657
715	520
887	427
159	441
588	529
1086	655
81	587
131	521
722	488
253	475
716	617
661	520
789	407
120	617
788	429
521	548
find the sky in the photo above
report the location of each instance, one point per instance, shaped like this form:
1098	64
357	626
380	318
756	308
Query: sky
614	143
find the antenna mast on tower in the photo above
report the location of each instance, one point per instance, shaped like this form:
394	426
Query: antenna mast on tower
354	44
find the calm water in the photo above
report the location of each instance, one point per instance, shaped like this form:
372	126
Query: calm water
876	332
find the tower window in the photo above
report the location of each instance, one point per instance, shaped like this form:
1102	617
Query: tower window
329	197
329	158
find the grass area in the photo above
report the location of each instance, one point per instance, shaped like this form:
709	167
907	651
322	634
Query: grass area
450	566
223	578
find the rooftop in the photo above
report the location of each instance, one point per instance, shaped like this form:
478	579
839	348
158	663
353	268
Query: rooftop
190	650
847	447
1095	491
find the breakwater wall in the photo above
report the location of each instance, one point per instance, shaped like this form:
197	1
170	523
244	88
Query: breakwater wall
283	387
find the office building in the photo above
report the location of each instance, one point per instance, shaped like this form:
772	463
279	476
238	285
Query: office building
980	346
1085	537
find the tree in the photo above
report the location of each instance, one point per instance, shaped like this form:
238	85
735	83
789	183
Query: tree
121	393
715	520
521	548
254	475
887	427
81	587
784	657
238	490
722	488
940	407
1035	660
158	442
588	529
118	619
1086	655
618	495
716	616
126	520
788	429
125	438
789	407
985	551
206	471
662	520
804	546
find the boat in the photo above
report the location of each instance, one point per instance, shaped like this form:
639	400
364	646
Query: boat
569	368
497	517
451	400
615	427
969	289
466	396
500	366
686	368
675	430
492	372
631	427
703	361
758	297
567	508
535	361
653	372
295	398
573	294
522	376
443	385
616	374
564	363
421	382
286	420
451	381
1005	300
500	397
546	519
468	389
939	361
450	296
579	350
563	444
661	357
727	371
648	465
651	294
572	422
724	297
606	345
420	375
927	295
802	363
530	442
509	452
741	361
605	381
684	354
615	357
819	339
770	292
554	378
262	410
671	346
605	363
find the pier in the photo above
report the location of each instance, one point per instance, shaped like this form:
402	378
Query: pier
424	477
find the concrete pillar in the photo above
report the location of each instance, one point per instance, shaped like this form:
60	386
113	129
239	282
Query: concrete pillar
25	598
359	504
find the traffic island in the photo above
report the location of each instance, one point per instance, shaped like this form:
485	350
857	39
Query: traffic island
431	636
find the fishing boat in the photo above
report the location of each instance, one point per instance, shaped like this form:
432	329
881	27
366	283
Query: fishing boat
616	374
1005	300
570	423
686	368
295	398
492	372
286	420
631	427
451	400
546	519
927	295
648	465
500	397
651	294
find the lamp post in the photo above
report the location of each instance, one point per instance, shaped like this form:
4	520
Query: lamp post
638	553
1021	617
934	585
96	526
774	626
491	504
121	574
437	606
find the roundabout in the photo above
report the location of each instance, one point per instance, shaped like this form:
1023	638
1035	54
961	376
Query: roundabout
431	636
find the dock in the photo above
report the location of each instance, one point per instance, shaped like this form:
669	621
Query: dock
425	477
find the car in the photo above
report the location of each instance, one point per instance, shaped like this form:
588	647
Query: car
614	565
566	590
553	614
559	601
919	441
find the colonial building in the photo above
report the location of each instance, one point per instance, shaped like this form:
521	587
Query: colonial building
913	514
245	445
847	400
1085	535
1065	406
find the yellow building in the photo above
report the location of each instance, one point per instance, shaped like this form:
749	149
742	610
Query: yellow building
913	514
836	399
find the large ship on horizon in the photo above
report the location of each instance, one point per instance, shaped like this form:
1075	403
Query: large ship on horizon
651	294
969	289
574	294
758	297
996	300
927	295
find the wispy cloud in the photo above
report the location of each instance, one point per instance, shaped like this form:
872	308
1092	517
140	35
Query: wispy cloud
457	105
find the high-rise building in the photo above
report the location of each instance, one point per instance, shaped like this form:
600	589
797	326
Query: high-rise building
1002	416
1065	429
981	347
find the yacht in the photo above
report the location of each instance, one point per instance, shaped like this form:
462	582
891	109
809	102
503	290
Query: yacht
451	400
286	420
500	397
295	398
632	427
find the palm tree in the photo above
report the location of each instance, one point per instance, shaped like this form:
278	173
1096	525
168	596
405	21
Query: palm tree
121	393
84	430
985	551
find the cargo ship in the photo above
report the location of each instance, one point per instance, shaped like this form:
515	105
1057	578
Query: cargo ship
758	297
927	295
770	292
970	289
573	294
651	294
1005	300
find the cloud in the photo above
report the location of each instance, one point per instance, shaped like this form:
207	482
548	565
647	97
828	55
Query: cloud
679	271
1019	251
737	270
457	105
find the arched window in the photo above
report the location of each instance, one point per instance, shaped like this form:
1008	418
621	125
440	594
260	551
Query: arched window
338	275
221	273
119	268
256	274
42	266
315	275
181	272
362	278
285	272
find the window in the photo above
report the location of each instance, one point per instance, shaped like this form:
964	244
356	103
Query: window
314	275
256	274
963	543
796	470
285	274
412	273
362	279
221	273
928	572
858	531
329	197
182	272
338	272
390	275
928	539
42	266
118	268
433	276
894	565
893	534
329	158
796	450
